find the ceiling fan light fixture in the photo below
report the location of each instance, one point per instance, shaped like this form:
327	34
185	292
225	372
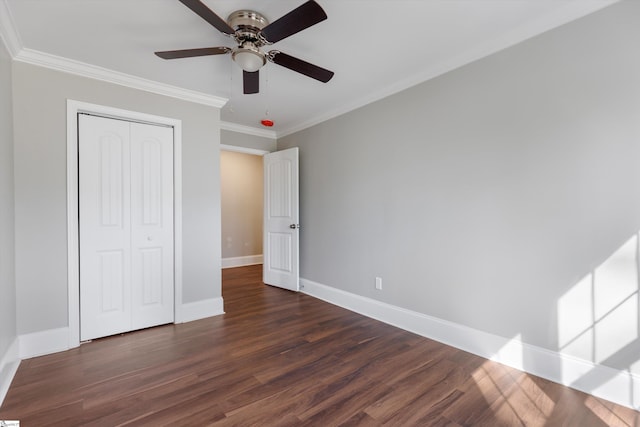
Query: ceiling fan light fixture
249	58
252	31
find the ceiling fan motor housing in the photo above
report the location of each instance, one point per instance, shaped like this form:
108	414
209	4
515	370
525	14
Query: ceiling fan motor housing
247	25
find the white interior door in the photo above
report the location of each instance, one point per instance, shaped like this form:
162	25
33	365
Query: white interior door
152	225
281	221
105	252
126	226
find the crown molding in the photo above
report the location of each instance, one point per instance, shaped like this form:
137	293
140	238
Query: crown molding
244	150
82	69
234	127
11	39
8	33
571	11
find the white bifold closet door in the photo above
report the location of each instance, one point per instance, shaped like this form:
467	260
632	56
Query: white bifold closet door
126	226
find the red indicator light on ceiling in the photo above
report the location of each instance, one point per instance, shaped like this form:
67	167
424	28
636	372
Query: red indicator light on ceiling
267	122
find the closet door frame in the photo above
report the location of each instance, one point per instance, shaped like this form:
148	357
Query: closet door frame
73	248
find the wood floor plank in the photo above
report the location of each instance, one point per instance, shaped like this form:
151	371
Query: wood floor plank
415	387
279	358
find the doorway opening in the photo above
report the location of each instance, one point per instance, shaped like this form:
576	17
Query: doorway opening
241	195
280	215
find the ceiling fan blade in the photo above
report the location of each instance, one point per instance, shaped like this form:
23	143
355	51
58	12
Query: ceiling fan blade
208	15
310	13
189	53
300	66
251	82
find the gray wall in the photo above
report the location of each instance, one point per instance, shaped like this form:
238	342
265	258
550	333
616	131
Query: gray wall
7	277
486	195
40	96
239	139
241	201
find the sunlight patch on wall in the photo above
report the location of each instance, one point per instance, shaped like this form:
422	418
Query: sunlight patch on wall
616	330
616	279
511	351
575	319
598	316
635	385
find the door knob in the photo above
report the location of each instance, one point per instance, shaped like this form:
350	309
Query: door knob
294	226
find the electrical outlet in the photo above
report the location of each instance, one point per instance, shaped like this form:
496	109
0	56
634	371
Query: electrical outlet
379	283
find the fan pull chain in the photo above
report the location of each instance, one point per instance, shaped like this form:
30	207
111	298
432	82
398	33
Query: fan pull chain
266	91
267	122
231	87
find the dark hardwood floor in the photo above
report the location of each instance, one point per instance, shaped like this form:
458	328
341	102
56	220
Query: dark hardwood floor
277	358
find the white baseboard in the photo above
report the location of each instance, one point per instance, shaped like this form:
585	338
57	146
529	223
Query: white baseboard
201	309
43	342
9	363
618	386
55	340
241	261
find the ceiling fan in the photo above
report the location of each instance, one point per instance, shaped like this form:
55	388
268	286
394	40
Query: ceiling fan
251	31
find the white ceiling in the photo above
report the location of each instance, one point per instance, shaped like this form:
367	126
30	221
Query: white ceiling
375	47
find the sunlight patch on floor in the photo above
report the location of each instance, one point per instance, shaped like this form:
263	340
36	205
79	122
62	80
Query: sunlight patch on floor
514	396
604	413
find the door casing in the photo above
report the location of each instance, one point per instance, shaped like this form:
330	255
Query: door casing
73	247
